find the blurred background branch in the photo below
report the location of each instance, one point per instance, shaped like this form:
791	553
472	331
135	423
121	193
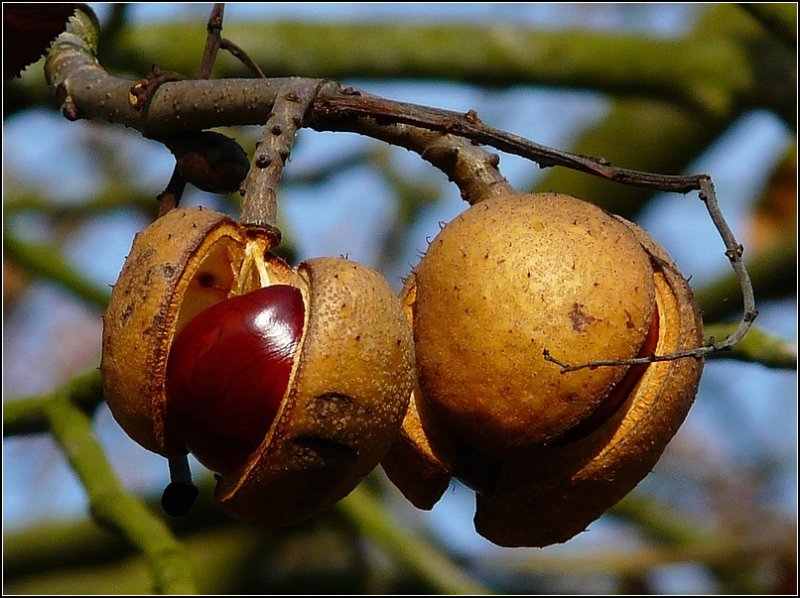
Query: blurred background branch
667	101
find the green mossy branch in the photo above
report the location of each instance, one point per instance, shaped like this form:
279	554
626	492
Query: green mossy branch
658	521
64	413
757	346
45	261
29	550
29	415
771	272
657	135
107	201
80	558
110	504
714	73
718	552
510	54
419	556
719	69
779	18
733	558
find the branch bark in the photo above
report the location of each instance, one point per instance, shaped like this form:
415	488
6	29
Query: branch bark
79	81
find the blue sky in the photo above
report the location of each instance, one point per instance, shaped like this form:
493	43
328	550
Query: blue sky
759	404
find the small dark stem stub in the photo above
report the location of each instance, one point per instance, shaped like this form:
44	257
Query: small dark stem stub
178	498
180	493
171	196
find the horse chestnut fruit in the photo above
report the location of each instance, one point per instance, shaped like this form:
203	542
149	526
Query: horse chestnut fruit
548	452
290	383
228	370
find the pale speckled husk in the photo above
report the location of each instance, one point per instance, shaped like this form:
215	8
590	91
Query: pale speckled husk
507	279
550	494
139	323
545	495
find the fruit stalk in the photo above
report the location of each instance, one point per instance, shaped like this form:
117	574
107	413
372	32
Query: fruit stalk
259	207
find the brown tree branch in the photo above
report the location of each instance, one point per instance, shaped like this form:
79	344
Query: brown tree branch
87	91
213	41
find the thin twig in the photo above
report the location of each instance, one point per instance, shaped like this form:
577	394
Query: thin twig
213	40
171	196
469	125
733	251
344	106
767	269
243	56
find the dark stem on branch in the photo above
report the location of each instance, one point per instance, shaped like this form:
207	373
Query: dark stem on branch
243	56
171	196
180	493
213	40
